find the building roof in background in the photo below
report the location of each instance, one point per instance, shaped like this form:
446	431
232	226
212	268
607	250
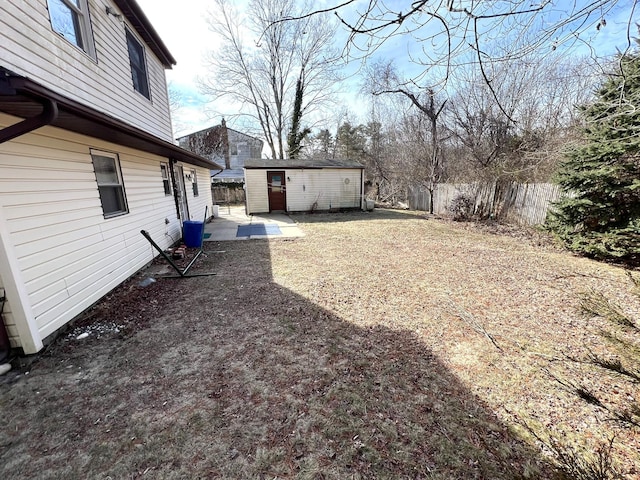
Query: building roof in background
257	163
215	127
228	174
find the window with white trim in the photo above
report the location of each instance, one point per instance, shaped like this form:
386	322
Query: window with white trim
194	183
166	180
138	65
110	185
70	18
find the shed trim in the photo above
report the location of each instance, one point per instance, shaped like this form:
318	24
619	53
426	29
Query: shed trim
266	164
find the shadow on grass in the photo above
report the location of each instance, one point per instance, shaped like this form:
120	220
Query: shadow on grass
234	376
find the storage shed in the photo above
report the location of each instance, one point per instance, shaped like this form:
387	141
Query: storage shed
303	185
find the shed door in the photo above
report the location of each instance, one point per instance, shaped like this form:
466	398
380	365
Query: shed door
277	191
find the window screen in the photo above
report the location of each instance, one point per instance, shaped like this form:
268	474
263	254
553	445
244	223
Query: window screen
110	185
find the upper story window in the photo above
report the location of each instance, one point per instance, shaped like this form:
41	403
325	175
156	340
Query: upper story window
138	65
70	18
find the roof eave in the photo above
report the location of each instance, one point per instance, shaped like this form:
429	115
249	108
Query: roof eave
134	14
79	118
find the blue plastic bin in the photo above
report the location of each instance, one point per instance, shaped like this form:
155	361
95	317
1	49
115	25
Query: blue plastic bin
192	232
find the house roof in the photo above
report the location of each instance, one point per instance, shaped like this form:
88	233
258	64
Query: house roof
132	11
22	97
215	127
229	174
262	163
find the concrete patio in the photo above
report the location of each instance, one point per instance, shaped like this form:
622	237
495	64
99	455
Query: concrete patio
233	223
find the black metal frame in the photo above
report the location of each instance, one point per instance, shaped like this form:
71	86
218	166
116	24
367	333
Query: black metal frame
182	273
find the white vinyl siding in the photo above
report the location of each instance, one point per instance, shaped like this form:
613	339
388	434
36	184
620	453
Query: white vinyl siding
327	188
256	192
69	255
204	199
31	48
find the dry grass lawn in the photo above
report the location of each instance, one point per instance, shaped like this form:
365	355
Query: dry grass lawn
382	345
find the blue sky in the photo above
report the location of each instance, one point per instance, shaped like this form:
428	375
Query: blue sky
183	27
186	33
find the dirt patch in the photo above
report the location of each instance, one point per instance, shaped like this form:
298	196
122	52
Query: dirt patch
381	345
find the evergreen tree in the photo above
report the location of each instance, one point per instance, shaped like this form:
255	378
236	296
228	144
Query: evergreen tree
600	215
351	142
326	145
296	137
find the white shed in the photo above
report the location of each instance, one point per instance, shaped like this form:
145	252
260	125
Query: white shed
303	185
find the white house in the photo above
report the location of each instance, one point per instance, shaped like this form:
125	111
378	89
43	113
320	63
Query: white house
224	145
303	185
86	158
229	147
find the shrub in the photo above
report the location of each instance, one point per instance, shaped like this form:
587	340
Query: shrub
462	208
600	215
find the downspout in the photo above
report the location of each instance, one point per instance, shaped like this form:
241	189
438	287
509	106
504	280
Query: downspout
5	344
47	116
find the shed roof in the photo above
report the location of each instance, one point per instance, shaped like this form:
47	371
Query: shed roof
262	163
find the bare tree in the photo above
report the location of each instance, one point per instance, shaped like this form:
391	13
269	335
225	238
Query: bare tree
176	101
384	79
522	139
442	36
260	61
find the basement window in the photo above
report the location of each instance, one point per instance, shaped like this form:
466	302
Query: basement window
110	184
70	19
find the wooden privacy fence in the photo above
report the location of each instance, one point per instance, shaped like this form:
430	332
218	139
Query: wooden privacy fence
521	203
227	193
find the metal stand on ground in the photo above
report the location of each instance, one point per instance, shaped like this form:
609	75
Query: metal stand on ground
182	273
